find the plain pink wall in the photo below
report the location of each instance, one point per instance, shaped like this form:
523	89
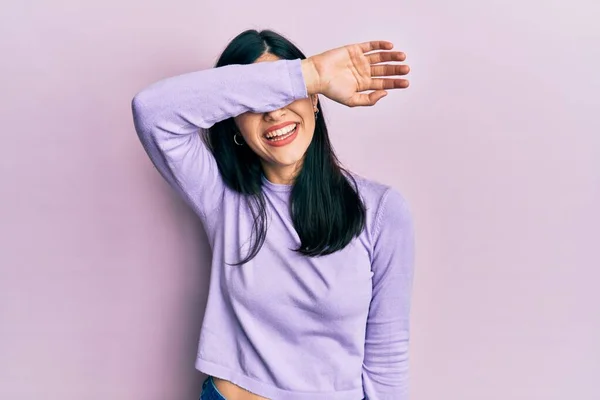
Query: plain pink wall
496	145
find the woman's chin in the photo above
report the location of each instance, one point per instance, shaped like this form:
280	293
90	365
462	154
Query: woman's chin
287	158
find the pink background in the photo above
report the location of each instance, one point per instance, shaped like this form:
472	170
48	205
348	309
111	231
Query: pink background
496	145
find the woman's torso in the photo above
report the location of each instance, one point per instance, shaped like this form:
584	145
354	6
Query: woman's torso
278	281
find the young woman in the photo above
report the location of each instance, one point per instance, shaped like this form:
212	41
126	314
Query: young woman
312	265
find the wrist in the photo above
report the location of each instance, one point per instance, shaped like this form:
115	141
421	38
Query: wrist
311	76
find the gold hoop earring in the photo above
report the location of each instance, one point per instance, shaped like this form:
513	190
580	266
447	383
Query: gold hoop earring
316	113
235	140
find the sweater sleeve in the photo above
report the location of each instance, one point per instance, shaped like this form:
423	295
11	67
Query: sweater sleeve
169	117
385	365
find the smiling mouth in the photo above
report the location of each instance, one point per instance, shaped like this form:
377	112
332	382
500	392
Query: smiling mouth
281	134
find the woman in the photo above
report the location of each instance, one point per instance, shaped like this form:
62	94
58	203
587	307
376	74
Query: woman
312	265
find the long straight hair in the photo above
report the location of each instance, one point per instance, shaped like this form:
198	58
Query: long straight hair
325	205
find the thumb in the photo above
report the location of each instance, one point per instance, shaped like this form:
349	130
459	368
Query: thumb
368	99
377	95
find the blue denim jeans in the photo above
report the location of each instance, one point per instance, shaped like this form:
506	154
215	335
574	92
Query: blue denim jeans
210	391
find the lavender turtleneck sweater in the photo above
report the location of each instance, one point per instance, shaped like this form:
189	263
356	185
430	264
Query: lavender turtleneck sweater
283	326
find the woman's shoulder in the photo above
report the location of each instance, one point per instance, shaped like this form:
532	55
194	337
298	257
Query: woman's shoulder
386	207
374	193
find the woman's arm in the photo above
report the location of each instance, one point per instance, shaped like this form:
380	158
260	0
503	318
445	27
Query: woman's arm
169	114
385	365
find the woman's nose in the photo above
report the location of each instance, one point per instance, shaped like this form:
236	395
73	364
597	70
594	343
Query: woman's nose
275	114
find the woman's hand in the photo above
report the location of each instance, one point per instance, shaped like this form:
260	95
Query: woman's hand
341	74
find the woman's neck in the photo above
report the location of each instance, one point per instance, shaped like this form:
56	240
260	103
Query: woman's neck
281	175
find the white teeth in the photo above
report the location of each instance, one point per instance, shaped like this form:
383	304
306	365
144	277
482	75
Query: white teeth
281	132
278	138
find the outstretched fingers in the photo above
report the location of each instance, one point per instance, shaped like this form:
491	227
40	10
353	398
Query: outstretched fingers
377	84
388	83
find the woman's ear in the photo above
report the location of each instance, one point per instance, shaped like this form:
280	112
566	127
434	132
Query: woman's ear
315	100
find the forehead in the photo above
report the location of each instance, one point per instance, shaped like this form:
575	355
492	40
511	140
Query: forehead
267	57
